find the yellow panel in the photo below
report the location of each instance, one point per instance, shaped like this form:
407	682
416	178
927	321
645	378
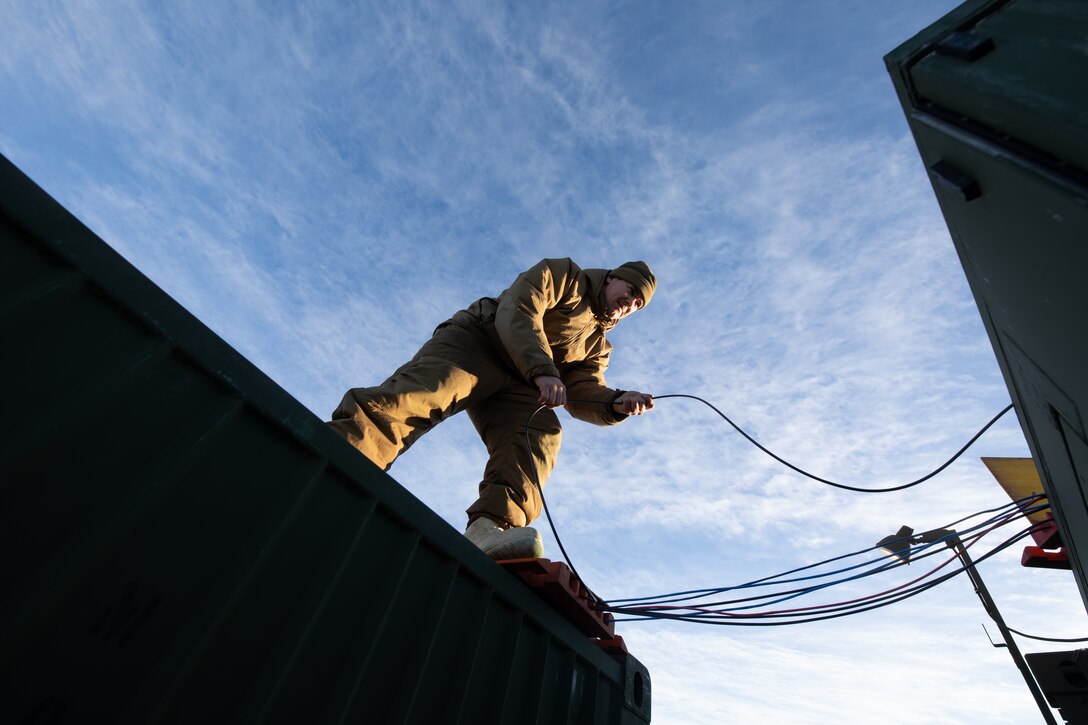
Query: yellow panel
1019	478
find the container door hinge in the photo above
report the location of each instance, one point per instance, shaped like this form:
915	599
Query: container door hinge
965	46
952	178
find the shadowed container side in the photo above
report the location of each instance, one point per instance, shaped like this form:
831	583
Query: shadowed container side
182	541
996	95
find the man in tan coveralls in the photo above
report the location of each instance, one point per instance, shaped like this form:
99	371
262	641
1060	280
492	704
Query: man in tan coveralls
541	342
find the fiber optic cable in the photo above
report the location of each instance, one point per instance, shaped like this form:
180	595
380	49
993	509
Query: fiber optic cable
775	579
832	611
703	608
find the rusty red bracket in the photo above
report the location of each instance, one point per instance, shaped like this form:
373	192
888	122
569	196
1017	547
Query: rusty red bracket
1046	534
614	648
554	583
1036	556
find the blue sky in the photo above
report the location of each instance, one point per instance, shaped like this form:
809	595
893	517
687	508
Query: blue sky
322	183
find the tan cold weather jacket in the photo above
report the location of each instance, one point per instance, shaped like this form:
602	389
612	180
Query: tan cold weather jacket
550	322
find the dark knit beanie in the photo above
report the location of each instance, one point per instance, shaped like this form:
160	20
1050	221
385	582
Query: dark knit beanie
639	275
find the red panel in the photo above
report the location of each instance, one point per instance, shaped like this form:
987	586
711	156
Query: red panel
555	584
1035	556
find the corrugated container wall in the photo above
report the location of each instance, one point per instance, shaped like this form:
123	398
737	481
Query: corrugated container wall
996	95
183	542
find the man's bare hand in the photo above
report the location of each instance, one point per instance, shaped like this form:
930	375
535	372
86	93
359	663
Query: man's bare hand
633	403
552	391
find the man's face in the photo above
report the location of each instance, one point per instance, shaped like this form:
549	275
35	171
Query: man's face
621	298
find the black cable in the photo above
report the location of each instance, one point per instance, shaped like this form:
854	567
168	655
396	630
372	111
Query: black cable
593	598
774	579
925	551
755	620
1046	639
814	477
845	608
750	439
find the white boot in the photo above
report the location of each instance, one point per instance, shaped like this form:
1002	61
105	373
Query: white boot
516	542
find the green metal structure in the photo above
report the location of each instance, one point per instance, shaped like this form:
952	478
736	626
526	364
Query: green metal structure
183	542
996	95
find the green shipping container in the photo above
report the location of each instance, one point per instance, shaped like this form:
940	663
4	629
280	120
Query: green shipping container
996	95
183	542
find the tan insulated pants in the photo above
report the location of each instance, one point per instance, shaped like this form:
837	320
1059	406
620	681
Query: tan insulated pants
454	371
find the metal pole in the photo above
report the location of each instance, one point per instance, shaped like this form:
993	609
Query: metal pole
956	545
